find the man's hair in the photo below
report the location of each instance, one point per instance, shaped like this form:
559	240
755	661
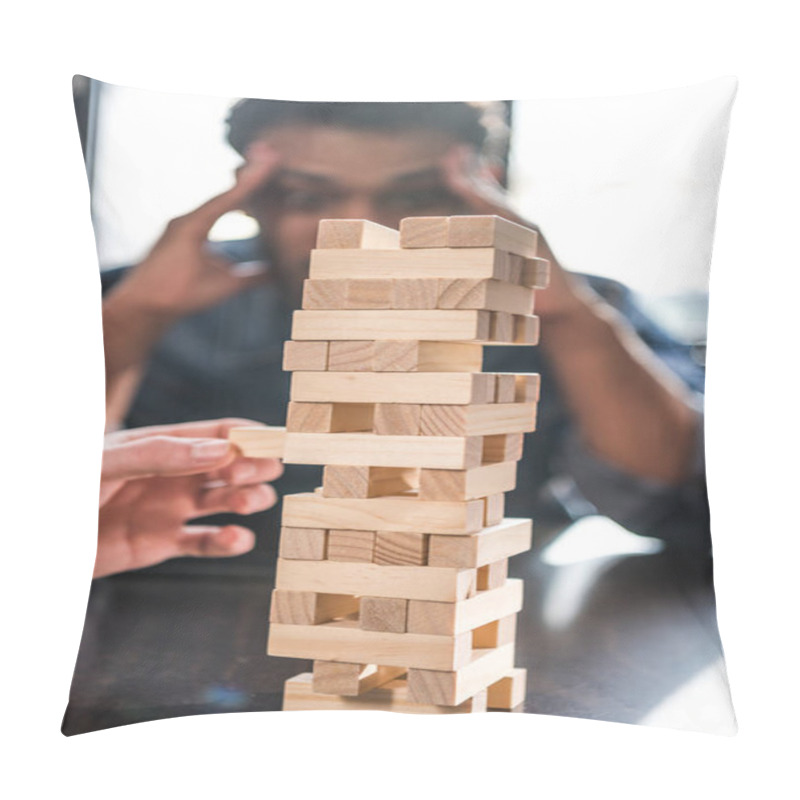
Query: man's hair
483	125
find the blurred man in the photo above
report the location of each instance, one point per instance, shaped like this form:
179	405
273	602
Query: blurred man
191	335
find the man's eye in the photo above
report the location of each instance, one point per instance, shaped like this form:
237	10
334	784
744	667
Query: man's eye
303	200
417	199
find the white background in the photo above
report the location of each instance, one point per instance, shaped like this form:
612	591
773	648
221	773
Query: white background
52	394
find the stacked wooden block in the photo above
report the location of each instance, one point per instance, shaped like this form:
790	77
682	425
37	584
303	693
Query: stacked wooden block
392	576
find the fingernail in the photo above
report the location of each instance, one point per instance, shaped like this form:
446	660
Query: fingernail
210	451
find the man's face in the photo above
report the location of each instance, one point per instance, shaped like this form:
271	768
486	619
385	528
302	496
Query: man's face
330	173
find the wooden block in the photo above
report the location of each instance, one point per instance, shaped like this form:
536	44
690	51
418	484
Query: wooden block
414	356
309	608
333	677
369	293
414	293
526	330
392	696
498	633
354	234
354	356
305	356
448	619
424	232
452	688
494	508
383	614
398	547
501	327
397	419
482	262
349	481
434	325
526	387
501	447
351	545
327	294
490	295
535	272
457	388
492	231
515	269
259	441
344	640
493	576
329	417
375	580
505	387
364	449
485	419
308	544
509	691
309	510
468	484
507	538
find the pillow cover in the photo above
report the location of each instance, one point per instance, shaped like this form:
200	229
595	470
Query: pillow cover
396	256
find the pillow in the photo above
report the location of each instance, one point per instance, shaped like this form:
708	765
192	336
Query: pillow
405	260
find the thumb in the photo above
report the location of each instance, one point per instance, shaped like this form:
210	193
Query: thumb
164	455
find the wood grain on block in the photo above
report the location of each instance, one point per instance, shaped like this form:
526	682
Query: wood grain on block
351	545
383	614
479	262
527	387
369	293
309	510
401	547
515	268
349	481
451	688
308	544
309	608
535	273
447	619
457	388
506	539
334	677
428	324
305	356
392	696
320	295
501	447
355	356
509	691
259	441
494	510
365	449
493	576
411	293
375	580
424	232
502	328
416	356
492	231
497	633
526	330
505	387
329	417
344	640
480	419
467	484
490	295
354	234
397	419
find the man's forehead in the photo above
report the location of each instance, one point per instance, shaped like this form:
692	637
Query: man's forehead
336	154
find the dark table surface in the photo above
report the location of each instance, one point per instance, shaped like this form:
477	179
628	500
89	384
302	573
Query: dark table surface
609	638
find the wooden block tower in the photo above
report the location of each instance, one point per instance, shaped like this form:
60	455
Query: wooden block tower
392	576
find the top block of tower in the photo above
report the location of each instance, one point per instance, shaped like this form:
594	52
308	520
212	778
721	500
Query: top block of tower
355	234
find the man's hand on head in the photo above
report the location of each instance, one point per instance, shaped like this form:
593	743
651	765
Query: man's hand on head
181	275
156	479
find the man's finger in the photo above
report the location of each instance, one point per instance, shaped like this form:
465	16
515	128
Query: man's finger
247	471
206	429
212	542
252	175
164	455
237	500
